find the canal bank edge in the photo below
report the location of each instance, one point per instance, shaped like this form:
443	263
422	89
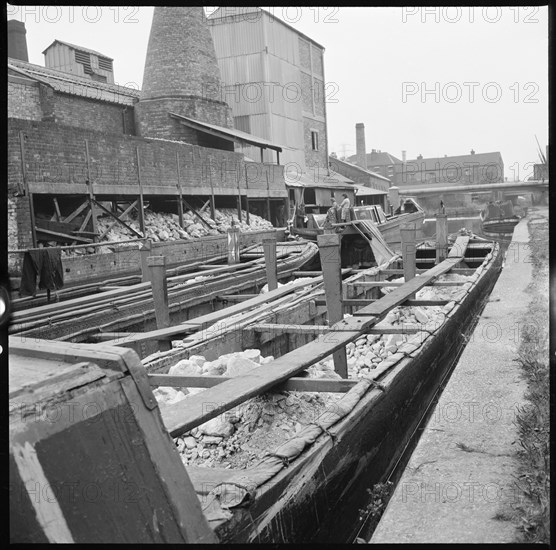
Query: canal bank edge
459	484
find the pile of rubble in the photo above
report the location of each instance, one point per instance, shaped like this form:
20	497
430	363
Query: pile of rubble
367	352
241	436
162	226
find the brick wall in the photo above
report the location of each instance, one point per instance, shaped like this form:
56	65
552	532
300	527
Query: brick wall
71	110
24	100
56	159
152	119
315	158
34	101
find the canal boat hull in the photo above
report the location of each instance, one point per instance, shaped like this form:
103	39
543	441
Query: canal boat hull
300	503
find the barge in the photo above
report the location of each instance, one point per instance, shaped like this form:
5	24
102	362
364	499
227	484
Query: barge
294	491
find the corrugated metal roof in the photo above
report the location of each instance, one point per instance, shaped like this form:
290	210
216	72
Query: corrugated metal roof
77	85
80	48
374	174
234	135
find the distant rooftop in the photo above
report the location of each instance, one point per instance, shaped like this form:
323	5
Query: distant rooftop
75	85
80	48
365	171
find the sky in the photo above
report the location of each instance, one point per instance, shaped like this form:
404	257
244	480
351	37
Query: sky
430	81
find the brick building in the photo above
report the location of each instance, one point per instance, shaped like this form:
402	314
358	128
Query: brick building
474	168
75	138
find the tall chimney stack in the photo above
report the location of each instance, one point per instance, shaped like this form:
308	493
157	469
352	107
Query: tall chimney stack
360	145
404	156
17	42
181	76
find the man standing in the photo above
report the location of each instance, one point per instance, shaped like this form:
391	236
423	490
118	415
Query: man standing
345	206
331	215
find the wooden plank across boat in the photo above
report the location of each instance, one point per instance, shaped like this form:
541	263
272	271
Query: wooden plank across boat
292	494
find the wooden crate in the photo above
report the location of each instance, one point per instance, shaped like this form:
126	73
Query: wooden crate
90	459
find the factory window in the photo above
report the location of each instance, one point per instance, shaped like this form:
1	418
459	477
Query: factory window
314	140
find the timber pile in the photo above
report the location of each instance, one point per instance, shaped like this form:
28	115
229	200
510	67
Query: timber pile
240	437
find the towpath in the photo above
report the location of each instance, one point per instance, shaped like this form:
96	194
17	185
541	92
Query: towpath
458	486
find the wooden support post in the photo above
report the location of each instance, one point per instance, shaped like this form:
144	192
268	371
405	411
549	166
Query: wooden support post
238	200
159	284
329	248
269	246
26	189
233	245
141	202
212	200
441	237
57	209
146	251
91	194
247	197
239	215
178	185
407	232
267	198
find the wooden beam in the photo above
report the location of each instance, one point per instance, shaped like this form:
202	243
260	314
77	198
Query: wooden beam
178	185
271	264
233	245
236	297
124	213
141	201
271	328
407	232
441	237
90	188
293	384
371	284
329	250
193	411
247	197
57	209
200	323
159	284
76	212
117	219
26	189
63	236
400	295
357	302
193	211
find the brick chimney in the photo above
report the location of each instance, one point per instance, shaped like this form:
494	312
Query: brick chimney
17	42
181	76
361	150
